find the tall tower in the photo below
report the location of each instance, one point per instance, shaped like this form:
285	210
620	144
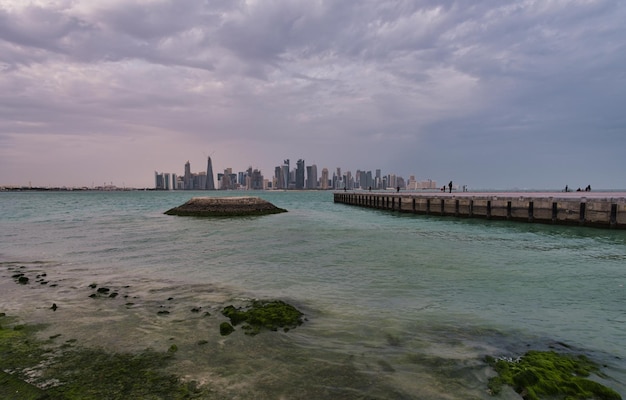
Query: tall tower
286	174
311	177
300	168
187	177
324	178
278	177
210	183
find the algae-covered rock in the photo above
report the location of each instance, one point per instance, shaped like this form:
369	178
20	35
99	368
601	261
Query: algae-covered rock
270	315
225	207
549	375
226	329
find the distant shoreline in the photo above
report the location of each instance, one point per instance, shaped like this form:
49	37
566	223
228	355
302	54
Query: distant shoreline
477	192
68	189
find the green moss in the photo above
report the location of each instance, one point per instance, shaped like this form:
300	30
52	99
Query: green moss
270	315
226	329
79	373
549	375
12	387
96	374
18	347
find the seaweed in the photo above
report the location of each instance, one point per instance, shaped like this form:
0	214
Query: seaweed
549	375
270	315
95	374
36	370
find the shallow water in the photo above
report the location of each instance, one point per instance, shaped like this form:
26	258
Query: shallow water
397	305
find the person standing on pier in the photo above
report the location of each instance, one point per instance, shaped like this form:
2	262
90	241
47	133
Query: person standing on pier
450	186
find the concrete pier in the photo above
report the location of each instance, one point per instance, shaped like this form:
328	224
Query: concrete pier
594	209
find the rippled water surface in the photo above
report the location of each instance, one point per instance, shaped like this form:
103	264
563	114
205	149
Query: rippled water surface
397	305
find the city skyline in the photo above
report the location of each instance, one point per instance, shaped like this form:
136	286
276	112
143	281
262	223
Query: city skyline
498	95
302	177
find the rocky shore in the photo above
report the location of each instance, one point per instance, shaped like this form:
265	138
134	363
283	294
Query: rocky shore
225	207
40	363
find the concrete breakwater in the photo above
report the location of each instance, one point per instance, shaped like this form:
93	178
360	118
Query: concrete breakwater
601	209
225	207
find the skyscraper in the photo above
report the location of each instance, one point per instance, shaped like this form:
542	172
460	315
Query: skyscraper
158	181
187	177
286	174
325	179
255	178
210	183
311	177
300	174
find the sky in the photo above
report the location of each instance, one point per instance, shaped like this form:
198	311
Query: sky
527	94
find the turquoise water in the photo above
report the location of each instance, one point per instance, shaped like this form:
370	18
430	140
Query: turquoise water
397	305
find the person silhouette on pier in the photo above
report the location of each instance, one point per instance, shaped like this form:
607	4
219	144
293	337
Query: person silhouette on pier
450	186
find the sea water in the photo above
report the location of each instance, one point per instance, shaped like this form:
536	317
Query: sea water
397	306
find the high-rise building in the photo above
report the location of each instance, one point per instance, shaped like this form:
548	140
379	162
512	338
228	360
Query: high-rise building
210	183
324	179
364	179
348	180
286	175
256	179
158	181
300	174
392	181
228	180
161	181
311	177
187	177
279	177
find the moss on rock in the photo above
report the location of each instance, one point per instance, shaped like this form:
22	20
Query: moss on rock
226	329
549	375
270	315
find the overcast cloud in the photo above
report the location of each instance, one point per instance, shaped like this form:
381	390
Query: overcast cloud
490	94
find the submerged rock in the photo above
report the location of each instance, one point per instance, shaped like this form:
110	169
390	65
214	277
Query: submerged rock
226	329
225	207
549	375
270	315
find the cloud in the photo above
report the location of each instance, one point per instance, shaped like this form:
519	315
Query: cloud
438	89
